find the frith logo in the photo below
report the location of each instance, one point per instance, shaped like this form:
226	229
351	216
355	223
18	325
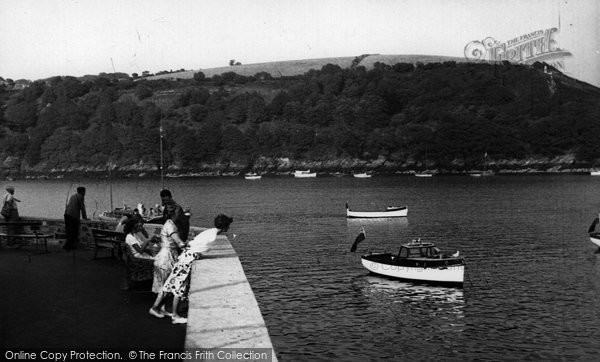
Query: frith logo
539	45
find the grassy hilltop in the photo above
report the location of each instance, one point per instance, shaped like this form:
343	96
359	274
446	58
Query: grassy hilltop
373	112
298	67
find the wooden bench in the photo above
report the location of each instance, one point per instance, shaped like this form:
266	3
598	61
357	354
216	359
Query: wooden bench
24	230
108	240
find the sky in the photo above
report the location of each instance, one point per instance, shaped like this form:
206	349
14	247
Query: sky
44	38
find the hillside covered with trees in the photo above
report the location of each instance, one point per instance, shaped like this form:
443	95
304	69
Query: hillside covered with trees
389	118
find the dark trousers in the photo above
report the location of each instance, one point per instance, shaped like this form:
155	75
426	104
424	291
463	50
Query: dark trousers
72	231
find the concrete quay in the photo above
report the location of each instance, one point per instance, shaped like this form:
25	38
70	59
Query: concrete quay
223	313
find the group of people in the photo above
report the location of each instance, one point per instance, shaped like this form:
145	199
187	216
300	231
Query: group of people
172	262
141	210
172	255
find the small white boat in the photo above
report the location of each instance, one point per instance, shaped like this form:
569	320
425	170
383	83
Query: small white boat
418	261
252	176
424	174
362	175
304	174
118	213
390	211
595	173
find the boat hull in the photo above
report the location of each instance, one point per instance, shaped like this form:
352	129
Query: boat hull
253	177
424	175
595	239
401	212
451	274
362	175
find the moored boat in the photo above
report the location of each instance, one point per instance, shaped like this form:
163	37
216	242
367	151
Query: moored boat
390	211
595	238
252	176
595	173
424	174
486	173
304	174
418	261
362	175
148	216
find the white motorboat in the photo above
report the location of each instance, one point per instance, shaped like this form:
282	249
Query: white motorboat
304	174
418	261
424	174
390	211
362	175
595	173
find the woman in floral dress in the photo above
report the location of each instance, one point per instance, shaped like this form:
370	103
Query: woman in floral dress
178	282
170	242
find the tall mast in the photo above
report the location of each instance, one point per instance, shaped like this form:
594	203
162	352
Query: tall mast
162	180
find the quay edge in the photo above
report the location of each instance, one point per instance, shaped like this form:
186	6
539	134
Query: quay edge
223	311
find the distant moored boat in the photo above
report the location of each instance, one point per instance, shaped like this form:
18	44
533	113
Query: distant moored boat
304	174
252	176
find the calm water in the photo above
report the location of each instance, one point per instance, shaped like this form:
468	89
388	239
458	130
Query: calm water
533	277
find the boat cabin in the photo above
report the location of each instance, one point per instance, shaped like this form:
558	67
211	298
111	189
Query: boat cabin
418	250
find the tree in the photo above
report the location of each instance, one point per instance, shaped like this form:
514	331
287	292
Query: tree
235	144
199	77
20	113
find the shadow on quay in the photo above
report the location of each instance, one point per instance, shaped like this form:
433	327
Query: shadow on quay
67	300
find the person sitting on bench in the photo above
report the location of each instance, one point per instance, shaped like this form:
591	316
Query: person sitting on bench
140	249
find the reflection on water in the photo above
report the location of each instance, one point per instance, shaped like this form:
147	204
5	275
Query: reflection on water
377	222
443	306
405	291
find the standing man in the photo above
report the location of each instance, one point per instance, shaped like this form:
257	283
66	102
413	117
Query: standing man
75	207
180	219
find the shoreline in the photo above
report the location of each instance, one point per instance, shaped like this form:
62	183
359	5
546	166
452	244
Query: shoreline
321	173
